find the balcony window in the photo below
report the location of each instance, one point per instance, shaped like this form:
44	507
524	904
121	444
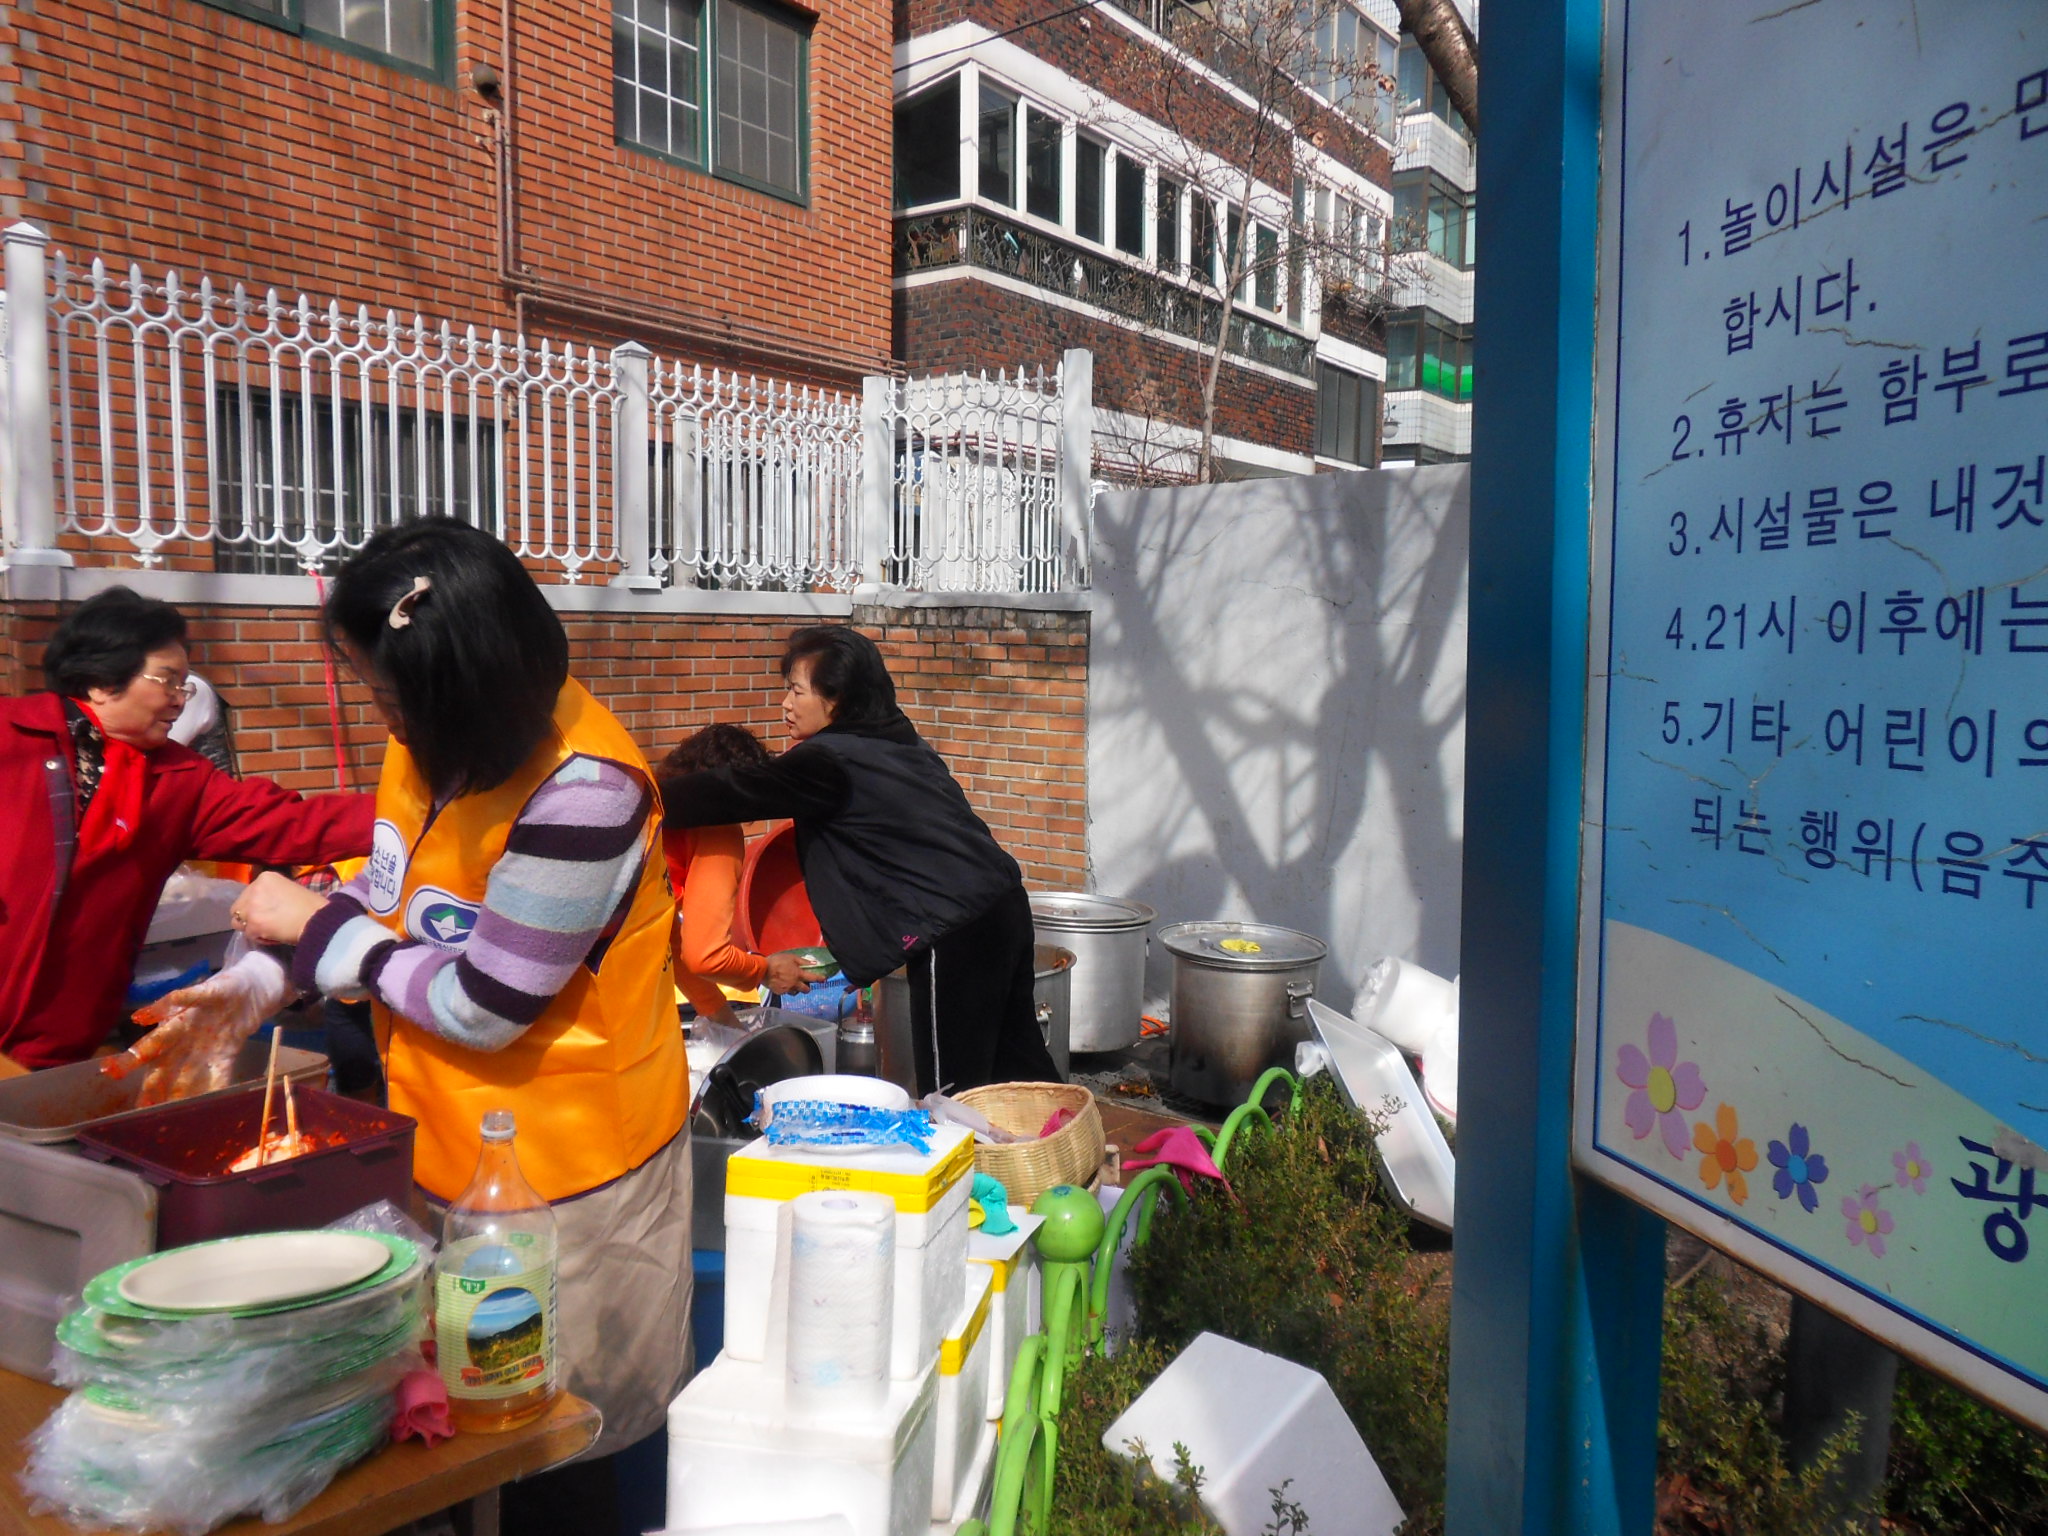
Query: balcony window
1347	404
1166	222
1043	192
1130	205
997	133
1432	215
1266	268
1089	158
1427	352
928	145
1202	239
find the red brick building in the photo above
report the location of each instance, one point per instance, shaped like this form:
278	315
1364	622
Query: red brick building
1078	177
706	178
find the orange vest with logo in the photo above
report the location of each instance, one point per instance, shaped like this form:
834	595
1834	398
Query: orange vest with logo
599	1081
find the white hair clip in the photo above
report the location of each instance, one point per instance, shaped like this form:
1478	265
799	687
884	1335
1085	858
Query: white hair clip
401	611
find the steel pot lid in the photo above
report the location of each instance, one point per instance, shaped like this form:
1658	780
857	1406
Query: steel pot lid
1085	910
1243	946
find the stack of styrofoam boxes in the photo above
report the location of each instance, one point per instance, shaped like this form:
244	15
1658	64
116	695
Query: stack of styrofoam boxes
965	1455
738	1453
1012	1263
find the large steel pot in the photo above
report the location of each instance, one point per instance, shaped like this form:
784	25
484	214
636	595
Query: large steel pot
1051	971
1107	935
1240	1002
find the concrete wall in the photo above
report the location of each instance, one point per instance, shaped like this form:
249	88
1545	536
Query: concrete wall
1276	703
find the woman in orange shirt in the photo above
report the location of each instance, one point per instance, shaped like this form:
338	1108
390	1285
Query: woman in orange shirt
704	866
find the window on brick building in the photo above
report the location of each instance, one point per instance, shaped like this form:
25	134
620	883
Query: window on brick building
1043	190
1266	269
279	478
1130	205
658	75
760	91
1166	221
1346	405
928	145
411	34
750	63
996	132
1089	159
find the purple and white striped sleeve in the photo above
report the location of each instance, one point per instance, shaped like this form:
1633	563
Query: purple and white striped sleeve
571	863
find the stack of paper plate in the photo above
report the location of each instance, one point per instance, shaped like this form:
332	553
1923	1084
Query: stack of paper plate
229	1377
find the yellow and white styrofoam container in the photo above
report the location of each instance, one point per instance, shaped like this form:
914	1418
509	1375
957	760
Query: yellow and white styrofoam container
1012	1263
963	1391
930	1193
737	1456
971	1498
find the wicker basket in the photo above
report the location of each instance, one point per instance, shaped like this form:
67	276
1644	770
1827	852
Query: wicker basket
1026	1169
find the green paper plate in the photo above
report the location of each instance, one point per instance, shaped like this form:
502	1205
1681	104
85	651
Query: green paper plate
103	1290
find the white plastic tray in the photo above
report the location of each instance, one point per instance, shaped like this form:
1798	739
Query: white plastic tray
1370	1071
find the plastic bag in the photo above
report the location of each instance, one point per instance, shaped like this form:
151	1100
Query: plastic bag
99	1462
953	1112
817	1123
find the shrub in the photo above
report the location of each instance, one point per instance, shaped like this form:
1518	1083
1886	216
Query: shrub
1960	1468
1097	1493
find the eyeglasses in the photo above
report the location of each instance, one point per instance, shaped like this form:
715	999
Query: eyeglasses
184	687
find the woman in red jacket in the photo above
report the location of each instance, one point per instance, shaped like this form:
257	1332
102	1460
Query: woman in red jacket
102	807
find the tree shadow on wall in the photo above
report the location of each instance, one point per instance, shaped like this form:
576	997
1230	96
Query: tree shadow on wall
1268	655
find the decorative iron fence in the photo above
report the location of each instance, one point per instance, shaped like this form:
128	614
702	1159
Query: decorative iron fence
194	425
975	237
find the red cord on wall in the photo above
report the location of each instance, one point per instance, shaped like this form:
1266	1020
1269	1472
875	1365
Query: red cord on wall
333	692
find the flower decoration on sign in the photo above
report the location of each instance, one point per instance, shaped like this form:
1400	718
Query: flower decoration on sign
1799	1167
1665	1087
1725	1153
1911	1168
1867	1223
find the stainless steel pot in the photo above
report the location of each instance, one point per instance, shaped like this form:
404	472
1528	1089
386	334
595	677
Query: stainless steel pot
1052	977
1107	935
1240	1002
1052	969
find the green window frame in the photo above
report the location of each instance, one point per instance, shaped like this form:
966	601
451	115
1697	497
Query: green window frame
720	86
415	37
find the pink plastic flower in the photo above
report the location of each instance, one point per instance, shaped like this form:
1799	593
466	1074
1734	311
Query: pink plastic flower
1867	1222
1912	1168
1665	1087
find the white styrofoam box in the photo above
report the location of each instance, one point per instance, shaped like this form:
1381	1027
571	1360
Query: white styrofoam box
971	1498
738	1457
1012	1261
1252	1421
931	1235
962	1412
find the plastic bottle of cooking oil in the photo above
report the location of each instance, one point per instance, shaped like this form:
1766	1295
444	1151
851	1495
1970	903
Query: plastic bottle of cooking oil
494	1293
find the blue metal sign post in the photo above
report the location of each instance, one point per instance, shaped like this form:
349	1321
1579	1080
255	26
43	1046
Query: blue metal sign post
1558	1284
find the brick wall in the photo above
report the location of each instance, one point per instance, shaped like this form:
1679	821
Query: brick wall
971	324
177	134
1001	693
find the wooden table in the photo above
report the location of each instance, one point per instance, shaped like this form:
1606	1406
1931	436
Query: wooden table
384	1491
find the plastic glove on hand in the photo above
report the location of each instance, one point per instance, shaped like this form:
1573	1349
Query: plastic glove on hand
199	1029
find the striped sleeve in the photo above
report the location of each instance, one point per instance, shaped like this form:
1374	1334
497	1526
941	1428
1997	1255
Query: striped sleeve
571	863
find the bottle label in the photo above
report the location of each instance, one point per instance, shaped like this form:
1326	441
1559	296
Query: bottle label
494	1324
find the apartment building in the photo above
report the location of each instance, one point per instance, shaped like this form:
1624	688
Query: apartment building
1429	331
1085	177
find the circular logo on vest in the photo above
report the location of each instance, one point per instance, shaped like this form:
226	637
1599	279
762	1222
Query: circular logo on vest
440	918
386	869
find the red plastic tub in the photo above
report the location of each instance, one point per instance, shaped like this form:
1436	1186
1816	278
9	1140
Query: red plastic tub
185	1150
774	907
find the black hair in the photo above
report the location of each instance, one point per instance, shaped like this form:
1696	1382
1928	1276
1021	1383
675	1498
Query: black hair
716	746
847	668
475	673
105	640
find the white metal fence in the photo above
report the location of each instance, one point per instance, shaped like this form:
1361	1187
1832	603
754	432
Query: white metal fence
194	425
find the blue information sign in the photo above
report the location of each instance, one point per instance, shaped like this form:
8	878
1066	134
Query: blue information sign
1816	893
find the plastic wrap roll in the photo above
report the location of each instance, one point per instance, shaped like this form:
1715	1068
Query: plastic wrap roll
842	1272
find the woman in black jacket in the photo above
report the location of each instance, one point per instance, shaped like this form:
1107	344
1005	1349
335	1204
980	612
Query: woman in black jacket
899	869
